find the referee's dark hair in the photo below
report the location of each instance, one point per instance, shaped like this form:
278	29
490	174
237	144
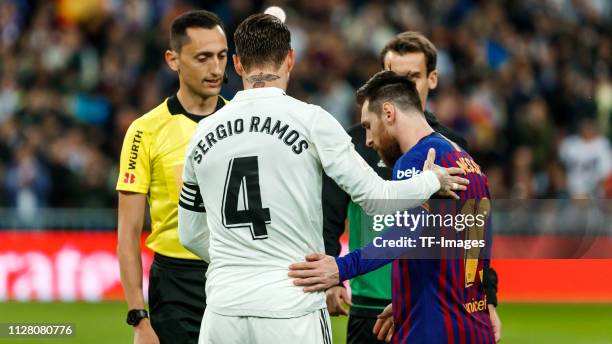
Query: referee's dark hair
387	86
198	19
262	39
412	42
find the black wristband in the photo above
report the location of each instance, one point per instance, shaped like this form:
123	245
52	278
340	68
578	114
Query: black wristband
490	285
134	316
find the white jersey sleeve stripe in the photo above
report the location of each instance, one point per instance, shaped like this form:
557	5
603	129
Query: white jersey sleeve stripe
193	203
193	228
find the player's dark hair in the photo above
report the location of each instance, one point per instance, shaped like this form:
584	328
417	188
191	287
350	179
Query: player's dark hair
192	19
387	86
412	42
262	39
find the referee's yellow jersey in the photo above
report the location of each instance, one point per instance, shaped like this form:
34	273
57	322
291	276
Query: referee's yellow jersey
151	163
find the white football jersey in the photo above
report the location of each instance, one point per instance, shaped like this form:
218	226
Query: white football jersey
588	162
255	168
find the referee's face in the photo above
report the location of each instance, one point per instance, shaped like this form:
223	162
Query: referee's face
414	67
202	60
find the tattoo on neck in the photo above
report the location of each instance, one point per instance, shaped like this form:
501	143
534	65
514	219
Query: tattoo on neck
259	80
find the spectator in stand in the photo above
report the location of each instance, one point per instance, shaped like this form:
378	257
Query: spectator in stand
513	74
588	160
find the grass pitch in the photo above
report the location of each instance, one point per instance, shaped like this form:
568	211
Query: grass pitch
522	323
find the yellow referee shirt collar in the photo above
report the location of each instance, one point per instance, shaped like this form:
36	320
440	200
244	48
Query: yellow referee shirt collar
176	108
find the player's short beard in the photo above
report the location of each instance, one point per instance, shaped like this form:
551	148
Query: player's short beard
388	149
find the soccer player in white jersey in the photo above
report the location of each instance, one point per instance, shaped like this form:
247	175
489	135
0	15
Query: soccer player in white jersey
251	197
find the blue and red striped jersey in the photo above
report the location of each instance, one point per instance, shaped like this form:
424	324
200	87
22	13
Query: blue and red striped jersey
443	300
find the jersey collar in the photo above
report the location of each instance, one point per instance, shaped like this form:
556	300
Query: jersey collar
258	93
176	108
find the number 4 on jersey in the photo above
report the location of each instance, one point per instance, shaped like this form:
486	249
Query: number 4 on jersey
243	179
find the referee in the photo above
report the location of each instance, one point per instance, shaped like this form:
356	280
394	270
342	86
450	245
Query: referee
150	171
412	55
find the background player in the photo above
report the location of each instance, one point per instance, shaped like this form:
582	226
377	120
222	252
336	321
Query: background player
412	55
150	169
252	182
429	295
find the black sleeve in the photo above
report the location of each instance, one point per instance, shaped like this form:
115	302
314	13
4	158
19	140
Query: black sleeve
490	285
336	201
335	207
447	132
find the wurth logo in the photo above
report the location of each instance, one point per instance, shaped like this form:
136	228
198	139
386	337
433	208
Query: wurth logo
409	173
134	151
129	178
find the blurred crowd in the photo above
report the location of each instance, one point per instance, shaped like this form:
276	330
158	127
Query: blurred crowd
527	82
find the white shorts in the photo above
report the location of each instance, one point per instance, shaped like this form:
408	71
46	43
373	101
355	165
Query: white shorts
313	328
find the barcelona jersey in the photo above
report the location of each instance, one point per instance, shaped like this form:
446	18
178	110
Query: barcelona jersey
443	300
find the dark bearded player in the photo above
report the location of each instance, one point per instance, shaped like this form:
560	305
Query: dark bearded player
434	300
412	55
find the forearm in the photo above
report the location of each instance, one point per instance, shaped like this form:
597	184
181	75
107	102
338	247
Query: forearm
353	174
353	265
193	232
130	221
374	194
335	208
130	266
195	245
377	255
391	196
194	241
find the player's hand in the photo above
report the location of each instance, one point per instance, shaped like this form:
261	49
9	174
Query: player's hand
496	322
449	183
336	298
144	334
384	326
318	272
